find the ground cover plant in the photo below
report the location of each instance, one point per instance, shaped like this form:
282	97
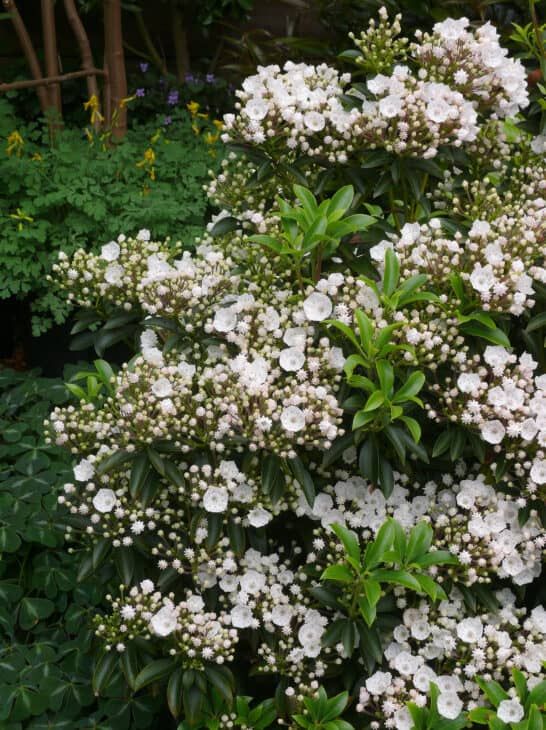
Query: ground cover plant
321	475
77	189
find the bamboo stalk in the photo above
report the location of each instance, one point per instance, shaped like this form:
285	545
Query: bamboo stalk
180	39
48	81
115	62
51	56
28	50
85	51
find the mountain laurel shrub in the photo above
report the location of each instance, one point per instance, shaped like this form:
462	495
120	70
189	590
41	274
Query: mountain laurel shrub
322	473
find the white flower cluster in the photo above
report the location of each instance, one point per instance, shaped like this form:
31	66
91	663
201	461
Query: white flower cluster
415	116
197	636
269	592
446	647
497	260
459	75
474	63
277	390
300	105
503	400
428	331
112	275
469	517
103	506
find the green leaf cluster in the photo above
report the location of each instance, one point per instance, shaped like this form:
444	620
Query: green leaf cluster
80	193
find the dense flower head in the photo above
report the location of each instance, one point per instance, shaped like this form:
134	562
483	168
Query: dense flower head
194	635
474	63
459	648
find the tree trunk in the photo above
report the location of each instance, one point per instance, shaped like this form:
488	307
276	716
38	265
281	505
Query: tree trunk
51	58
180	39
28	50
85	49
115	61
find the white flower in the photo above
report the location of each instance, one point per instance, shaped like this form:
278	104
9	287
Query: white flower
110	252
252	582
259	517
281	615
317	307
84	471
406	663
225	320
143	235
162	388
468	382
147	586
104	500
390	106
336	358
470	630
295	337
450	705
127	612
496	356
438	111
378	251
186	370
113	274
482	278
256	109
402	719
163	622
314	121
293	419
510	711
310	634
538	144
379	683
493	432
538	471
195	604
241	617
215	499
291	359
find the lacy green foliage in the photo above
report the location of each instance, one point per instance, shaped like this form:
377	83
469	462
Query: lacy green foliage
79	192
46	662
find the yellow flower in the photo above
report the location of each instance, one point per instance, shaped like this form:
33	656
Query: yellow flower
94	105
211	138
37	157
195	128
219	124
15	144
193	107
21	217
123	103
148	161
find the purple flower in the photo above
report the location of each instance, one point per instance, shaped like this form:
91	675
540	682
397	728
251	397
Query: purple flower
172	99
210	78
167	121
140	92
144	67
189	78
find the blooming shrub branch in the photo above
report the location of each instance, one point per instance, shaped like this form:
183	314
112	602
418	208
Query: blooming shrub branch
325	462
